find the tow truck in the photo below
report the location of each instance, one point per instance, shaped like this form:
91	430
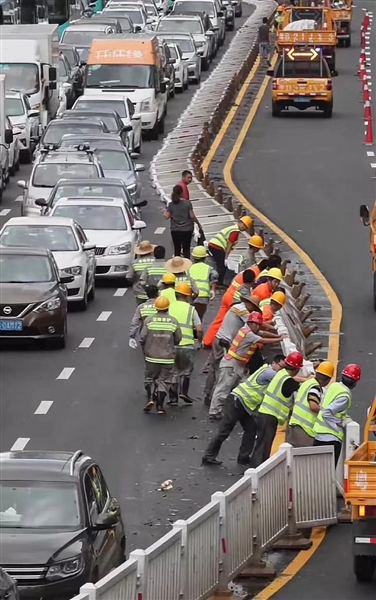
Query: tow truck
301	79
369	219
322	36
360	493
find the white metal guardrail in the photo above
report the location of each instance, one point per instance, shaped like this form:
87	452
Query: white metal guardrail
120	584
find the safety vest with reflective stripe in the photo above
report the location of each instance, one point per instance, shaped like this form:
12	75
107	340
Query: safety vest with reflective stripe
274	403
233	351
157	323
302	414
251	391
169	293
221	239
265	302
156	270
147	309
141	263
183	313
263	273
200	273
335	390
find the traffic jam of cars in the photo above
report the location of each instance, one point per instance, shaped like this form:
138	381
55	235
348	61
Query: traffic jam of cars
79	103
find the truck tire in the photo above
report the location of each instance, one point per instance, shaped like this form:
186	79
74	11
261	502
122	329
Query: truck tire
25	156
364	567
276	109
328	110
348	41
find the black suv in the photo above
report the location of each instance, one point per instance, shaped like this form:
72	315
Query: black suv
60	526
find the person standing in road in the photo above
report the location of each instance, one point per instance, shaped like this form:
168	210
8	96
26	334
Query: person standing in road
241	406
159	336
307	405
154	271
221	244
144	252
186	180
144	310
168	287
182	220
205	278
264	41
329	428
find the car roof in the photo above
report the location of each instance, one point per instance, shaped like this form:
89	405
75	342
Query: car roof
87	27
110	137
94	199
13	94
66	156
57	122
62	221
24	250
103	181
30	465
118	96
176	17
178	35
90	202
101	111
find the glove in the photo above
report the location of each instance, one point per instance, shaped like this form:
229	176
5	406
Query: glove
132	343
212	295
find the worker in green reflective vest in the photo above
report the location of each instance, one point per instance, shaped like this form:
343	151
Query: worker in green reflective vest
146	309
168	287
222	244
205	278
145	256
154	271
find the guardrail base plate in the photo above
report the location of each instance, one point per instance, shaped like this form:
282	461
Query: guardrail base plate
292	542
260	570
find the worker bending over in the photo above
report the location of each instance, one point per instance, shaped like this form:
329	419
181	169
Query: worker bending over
221	245
271	306
273	280
255	244
205	279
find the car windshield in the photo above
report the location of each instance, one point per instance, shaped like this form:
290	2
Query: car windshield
173	52
35	505
109	120
79	38
57	238
184	44
135	15
72	190
298	69
151	10
189	25
115	76
113	160
14	107
125	22
24	269
23	77
70	55
55	131
194	7
117	105
100	218
46	175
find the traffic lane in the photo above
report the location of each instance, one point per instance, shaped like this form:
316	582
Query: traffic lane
309	178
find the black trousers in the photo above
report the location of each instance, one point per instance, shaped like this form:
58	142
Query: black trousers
337	448
219	259
182	243
234	412
266	430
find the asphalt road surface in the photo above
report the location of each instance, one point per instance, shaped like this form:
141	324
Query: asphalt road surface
309	175
98	408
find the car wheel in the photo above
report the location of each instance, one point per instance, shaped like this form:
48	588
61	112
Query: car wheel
205	64
155	131
328	110
6	177
25	156
82	304
364	568
61	342
161	125
91	294
17	165
231	26
12	169
186	84
172	92
180	90
139	147
276	109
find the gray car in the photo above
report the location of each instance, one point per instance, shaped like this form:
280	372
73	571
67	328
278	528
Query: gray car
188	48
192	24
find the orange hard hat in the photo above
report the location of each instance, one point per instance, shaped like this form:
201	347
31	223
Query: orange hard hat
256	241
162	303
247	221
183	288
279	298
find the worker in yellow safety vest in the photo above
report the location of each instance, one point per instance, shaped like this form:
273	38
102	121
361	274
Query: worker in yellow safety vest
221	244
154	271
255	244
307	405
144	310
168	287
144	252
205	279
190	325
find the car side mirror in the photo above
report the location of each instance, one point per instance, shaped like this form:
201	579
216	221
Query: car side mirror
89	246
172	61
105	521
52	74
139	225
66	87
270	72
140	204
126	128
41	202
163	87
64	279
220	13
134	155
136	117
209	33
22	184
33	114
8	136
364	214
139	168
137	29
52	85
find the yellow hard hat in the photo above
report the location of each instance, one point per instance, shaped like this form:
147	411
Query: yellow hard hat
280	8
162	303
256	241
168	278
184	289
275	273
199	252
247	221
326	368
279	298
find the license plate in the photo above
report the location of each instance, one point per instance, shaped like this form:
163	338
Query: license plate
10	325
301	99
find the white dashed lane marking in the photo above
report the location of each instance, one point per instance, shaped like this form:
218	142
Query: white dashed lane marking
19	444
370	153
120	292
66	373
5	212
86	343
159	230
373	165
44	407
104	315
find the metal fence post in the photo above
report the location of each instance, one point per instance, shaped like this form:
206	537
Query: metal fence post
90	589
139	555
182	525
350	443
224	563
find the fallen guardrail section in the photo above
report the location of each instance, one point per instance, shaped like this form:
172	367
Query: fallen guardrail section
292	490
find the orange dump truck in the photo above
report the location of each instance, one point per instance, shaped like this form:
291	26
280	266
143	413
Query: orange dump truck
360	493
369	219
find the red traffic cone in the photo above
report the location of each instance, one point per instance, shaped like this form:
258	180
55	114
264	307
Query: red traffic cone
367	111
362	71
366	21
362	40
366	94
369	134
363	57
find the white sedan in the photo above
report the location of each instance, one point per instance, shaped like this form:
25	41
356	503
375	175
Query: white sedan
73	253
180	66
109	224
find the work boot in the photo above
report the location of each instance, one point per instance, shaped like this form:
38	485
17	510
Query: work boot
150	403
207	401
184	391
173	395
160	402
208	460
245	461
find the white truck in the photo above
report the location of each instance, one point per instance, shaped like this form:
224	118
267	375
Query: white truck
29	56
6	138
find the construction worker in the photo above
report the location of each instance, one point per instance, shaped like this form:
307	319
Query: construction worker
273	262
255	244
240	406
144	310
265	290
279	18
190	325
235	318
272	305
221	245
180	266
205	279
275	407
233	365
159	336
329	428
154	271
144	252
307	405
168	287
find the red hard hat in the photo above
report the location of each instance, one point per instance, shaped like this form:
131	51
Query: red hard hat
353	372
255	317
294	360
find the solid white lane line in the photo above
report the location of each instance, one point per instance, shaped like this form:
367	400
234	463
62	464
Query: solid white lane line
19	444
5	212
104	315
160	230
86	343
44	407
120	292
66	373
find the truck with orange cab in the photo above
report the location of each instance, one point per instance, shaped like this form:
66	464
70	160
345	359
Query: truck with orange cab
322	36
342	15
369	219
301	79
360	493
